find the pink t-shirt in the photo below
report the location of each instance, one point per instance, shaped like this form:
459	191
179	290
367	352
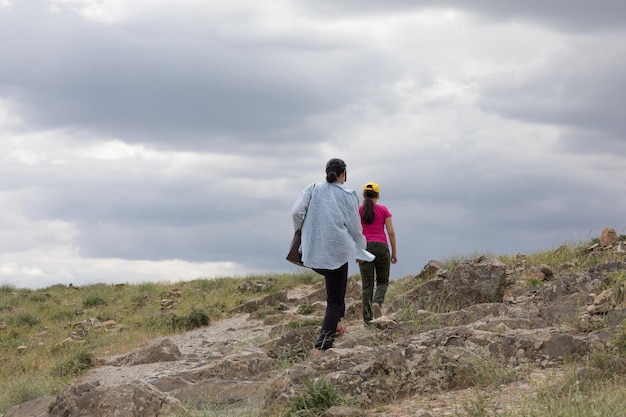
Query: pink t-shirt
375	231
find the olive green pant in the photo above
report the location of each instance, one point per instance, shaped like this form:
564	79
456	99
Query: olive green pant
375	272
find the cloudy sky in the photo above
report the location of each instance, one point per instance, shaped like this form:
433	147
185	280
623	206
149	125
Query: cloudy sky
162	140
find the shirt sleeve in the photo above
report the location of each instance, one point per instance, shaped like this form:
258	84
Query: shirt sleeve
353	223
300	207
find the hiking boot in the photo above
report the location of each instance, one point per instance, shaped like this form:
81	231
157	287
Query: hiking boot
376	311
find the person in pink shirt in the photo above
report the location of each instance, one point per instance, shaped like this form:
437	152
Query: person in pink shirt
376	219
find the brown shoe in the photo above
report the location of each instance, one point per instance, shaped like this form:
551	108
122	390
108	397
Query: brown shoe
376	311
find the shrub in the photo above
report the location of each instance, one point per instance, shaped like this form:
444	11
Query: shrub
292	354
606	363
74	365
318	397
296	324
25	319
21	390
619	340
7	289
61	315
453	262
245	408
197	318
93	300
306	308
478	369
579	395
483	405
38	297
534	282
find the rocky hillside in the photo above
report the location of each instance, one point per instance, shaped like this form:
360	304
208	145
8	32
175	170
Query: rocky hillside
447	342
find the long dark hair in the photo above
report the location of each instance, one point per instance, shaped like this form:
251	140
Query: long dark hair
334	168
368	214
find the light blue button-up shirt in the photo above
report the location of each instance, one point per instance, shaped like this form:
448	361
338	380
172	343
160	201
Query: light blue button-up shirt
331	233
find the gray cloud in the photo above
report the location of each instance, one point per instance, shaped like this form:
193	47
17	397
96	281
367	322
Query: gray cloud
566	15
139	82
171	142
581	88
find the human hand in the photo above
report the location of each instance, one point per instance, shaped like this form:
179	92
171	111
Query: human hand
394	259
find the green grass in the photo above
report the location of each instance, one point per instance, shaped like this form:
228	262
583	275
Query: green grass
591	387
585	391
619	341
306	309
479	370
73	365
245	409
574	256
317	397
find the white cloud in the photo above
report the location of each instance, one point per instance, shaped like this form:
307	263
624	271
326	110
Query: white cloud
36	270
101	11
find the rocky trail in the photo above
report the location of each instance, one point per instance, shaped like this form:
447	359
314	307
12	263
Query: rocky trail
420	359
196	347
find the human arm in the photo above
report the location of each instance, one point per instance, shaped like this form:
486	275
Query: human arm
392	239
300	207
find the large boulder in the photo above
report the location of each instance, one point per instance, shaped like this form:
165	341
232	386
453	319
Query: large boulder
219	391
480	280
160	350
608	237
239	377
295	342
136	399
270	300
246	364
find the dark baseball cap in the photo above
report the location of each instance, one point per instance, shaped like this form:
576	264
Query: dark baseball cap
335	163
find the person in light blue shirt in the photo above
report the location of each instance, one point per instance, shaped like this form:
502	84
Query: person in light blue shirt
332	235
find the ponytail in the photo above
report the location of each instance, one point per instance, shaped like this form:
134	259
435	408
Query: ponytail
367	217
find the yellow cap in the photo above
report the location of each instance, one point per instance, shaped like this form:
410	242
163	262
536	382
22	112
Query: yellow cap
371	186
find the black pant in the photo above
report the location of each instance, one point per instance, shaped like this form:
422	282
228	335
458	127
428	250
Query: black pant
336	282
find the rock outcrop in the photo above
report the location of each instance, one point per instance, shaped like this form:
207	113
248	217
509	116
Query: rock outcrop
128	400
480	280
161	350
